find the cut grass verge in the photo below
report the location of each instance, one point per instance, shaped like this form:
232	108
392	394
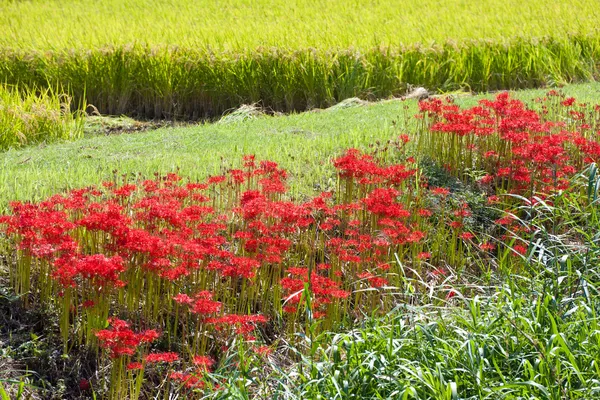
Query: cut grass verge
300	143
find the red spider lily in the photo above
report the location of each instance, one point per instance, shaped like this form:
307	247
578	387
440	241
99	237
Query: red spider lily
215	180
493	199
134	366
98	268
88	304
382	202
183	298
324	290
374	281
438	191
456	224
242	324
520	249
537	154
353	164
124	191
463	211
149	336
487	246
120	340
467	236
204	305
264	351
203	363
165	357
424	212
190	381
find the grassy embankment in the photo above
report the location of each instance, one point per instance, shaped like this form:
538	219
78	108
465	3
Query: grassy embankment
301	143
469	325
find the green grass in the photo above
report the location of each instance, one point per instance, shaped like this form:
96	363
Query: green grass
192	60
301	143
499	346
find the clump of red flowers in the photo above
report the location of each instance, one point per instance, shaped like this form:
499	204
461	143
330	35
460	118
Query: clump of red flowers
120	340
519	148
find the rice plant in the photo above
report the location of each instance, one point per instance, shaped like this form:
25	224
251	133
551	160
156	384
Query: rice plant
28	117
173	82
248	25
192	60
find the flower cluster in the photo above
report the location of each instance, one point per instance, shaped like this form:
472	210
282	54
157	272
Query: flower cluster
120	340
520	149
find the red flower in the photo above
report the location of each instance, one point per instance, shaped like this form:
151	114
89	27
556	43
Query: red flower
203	304
204	363
88	304
166	357
354	164
520	249
84	384
183	298
120	340
487	246
149	336
438	191
243	324
132	366
467	236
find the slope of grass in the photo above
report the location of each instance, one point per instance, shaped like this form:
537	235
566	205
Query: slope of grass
301	143
514	320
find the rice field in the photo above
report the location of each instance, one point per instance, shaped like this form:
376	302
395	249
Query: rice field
192	60
248	25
